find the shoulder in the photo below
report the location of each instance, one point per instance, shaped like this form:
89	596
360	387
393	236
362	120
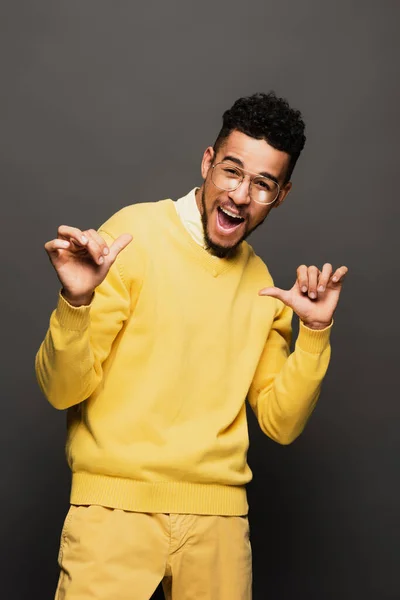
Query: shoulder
142	222
136	219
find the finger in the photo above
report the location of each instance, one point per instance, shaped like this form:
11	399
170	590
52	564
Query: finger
93	247
302	278
100	241
53	246
324	277
120	243
274	292
72	233
313	274
340	274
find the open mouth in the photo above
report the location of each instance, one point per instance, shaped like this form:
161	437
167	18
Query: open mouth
227	220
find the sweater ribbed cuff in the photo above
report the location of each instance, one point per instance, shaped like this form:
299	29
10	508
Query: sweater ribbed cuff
313	341
74	318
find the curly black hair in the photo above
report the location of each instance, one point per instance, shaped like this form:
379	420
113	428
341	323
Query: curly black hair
265	116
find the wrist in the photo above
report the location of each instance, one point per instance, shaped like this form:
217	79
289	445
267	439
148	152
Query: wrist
77	301
316	325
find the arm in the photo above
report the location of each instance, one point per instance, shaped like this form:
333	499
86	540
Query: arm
69	361
286	386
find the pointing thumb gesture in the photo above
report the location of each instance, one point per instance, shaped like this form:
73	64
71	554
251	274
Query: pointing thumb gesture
275	292
120	243
82	260
314	296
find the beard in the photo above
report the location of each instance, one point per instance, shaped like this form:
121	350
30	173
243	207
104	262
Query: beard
217	249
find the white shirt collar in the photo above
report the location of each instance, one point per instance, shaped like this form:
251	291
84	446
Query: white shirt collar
189	214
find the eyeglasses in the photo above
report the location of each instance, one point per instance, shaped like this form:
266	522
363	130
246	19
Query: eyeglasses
228	177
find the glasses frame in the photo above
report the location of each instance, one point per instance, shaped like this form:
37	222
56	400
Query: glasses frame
243	172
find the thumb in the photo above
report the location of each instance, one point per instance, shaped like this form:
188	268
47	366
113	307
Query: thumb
118	245
275	292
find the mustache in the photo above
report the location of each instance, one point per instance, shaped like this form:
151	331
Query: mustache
240	211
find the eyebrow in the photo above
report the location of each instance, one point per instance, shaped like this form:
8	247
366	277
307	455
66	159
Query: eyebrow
240	164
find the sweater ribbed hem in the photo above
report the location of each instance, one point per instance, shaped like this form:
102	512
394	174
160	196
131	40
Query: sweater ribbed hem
159	497
313	341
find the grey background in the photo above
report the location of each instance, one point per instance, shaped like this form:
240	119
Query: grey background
107	103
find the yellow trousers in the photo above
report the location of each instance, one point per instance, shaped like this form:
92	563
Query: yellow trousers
109	554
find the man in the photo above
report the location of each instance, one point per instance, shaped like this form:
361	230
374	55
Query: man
165	323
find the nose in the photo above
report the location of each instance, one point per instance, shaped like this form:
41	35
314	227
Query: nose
242	194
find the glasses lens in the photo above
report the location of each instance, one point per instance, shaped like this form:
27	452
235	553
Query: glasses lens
264	190
226	177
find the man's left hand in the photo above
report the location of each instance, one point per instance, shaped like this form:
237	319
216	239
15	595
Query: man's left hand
314	296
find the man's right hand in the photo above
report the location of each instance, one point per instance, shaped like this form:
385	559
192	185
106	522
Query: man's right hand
82	260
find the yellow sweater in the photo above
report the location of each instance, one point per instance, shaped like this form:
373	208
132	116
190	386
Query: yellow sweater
155	372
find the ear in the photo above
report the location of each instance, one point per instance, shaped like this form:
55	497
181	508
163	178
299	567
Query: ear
207	161
282	194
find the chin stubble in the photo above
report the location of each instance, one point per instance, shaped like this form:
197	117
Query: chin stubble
216	249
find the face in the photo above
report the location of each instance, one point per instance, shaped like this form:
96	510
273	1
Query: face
222	233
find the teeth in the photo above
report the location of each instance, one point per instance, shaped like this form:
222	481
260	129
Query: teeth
230	214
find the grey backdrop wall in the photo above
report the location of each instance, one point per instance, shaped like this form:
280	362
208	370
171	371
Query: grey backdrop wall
108	103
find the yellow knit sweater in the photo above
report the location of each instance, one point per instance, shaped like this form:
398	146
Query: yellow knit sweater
156	371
